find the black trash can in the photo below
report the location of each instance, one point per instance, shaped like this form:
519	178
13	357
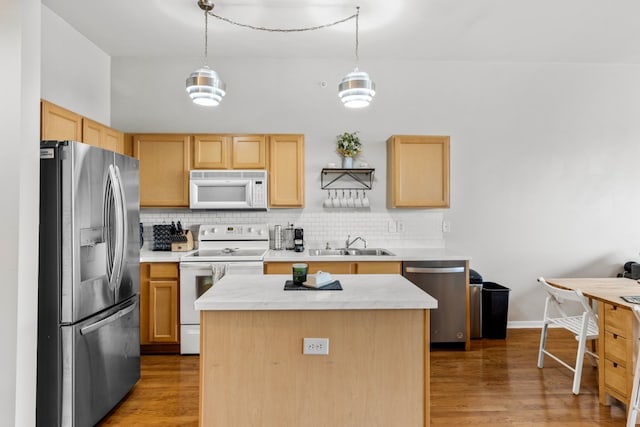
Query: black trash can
495	307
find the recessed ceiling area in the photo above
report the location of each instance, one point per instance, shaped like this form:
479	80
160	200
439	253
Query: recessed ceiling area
445	30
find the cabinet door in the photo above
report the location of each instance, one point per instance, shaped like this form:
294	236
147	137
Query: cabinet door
380	267
418	171
211	152
113	140
163	311
164	169
57	123
286	171
144	303
249	152
92	133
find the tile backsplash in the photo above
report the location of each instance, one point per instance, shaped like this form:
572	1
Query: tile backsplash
419	228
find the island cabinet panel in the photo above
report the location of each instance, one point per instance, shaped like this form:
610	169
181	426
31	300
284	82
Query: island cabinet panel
418	171
159	302
286	171
59	124
164	169
376	373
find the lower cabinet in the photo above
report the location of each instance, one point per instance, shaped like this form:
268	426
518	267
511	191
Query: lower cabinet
159	320
338	267
616	367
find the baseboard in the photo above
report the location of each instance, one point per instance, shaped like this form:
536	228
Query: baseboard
524	324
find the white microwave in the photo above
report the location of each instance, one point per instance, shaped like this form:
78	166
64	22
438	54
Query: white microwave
228	189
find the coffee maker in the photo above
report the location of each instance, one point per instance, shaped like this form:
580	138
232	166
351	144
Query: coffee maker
298	239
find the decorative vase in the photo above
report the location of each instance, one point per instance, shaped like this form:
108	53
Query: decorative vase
347	162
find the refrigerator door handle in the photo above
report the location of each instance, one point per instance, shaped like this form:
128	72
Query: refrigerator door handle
116	254
115	316
436	270
122	224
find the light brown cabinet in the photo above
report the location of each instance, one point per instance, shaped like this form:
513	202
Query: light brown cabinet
59	124
418	171
159	320
164	169
230	152
616	373
102	136
338	267
286	171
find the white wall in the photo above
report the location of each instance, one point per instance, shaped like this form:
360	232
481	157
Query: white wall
76	74
19	121
543	156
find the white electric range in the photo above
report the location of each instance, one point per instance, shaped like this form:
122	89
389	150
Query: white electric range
222	249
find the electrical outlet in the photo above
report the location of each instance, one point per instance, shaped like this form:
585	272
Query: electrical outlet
315	346
400	226
392	226
446	226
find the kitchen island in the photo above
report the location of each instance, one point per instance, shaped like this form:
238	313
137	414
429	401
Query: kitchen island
253	370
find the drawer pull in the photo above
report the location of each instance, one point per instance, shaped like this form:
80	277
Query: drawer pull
615	365
615	336
615	307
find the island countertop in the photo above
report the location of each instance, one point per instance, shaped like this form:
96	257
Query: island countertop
360	292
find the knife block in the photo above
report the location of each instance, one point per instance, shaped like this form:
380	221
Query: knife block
182	242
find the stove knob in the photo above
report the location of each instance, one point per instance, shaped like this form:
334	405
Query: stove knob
250	230
214	230
205	232
261	232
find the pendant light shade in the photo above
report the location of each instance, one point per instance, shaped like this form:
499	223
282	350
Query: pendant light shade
205	87
356	90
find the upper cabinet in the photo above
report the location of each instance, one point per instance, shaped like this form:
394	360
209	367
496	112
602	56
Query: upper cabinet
164	169
230	152
286	171
59	124
102	136
418	171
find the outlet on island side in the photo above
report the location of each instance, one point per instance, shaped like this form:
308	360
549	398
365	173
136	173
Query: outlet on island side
318	346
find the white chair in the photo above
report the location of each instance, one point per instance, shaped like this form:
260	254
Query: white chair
634	403
584	326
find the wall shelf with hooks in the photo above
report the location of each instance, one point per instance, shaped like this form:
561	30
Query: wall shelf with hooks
362	178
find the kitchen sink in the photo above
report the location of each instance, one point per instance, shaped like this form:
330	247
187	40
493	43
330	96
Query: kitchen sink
350	251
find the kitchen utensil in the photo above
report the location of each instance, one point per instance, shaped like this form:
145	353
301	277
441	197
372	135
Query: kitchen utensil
277	237
358	201
350	201
343	200
328	202
336	200
365	200
287	238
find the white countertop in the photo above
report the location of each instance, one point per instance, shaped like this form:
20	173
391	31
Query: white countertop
399	254
360	292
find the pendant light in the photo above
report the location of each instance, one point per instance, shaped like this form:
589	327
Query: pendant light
204	85
356	90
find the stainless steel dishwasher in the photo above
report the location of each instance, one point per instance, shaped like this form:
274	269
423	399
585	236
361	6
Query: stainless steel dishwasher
446	281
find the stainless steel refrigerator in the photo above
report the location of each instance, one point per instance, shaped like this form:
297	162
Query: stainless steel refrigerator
89	281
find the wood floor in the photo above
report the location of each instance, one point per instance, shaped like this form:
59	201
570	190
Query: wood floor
497	383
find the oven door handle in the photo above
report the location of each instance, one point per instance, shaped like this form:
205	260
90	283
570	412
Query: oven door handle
195	266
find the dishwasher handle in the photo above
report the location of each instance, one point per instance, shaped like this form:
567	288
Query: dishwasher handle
434	270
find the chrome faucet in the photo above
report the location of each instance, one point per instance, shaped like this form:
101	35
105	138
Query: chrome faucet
348	243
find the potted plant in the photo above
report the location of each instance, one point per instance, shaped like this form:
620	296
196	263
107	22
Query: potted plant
348	146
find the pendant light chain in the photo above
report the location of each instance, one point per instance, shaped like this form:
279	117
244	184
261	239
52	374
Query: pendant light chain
357	20
286	30
206	38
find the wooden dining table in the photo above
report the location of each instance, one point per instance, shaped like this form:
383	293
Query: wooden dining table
618	331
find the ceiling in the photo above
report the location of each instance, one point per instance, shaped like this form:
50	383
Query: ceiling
449	30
